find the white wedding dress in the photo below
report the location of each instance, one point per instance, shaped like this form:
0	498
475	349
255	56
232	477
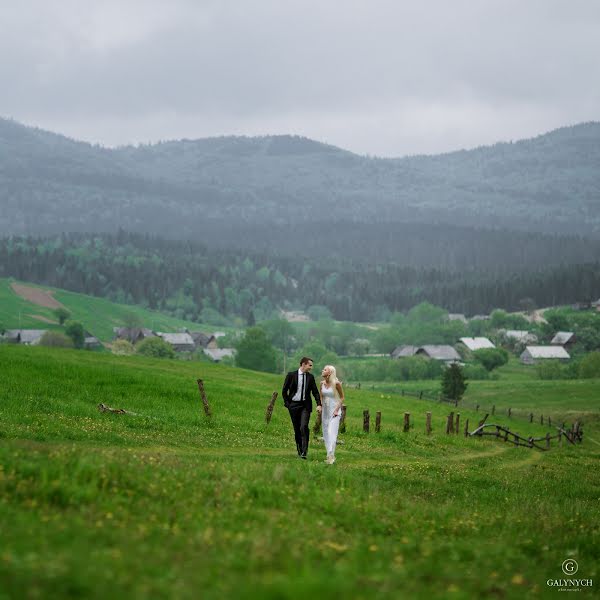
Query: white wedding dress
331	424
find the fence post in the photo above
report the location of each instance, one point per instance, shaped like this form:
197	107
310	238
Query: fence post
270	406
493	409
428	423
548	440
421	395
343	420
406	422
366	421
457	424
541	419
450	423
506	432
477	408
207	410
467	428
549	422
531	417
377	422
509	413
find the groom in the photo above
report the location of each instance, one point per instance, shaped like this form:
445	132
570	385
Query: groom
296	392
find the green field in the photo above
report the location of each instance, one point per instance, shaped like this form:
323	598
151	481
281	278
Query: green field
170	504
97	315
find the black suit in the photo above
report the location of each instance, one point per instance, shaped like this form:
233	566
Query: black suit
300	410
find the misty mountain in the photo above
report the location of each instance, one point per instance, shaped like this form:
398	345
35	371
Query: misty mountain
180	189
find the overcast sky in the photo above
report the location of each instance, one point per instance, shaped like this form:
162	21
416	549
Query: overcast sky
381	77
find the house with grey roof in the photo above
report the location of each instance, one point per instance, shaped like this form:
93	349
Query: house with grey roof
442	352
132	334
404	351
533	354
29	337
477	343
203	340
564	338
180	342
218	354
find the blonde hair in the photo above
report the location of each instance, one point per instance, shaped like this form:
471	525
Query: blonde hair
333	380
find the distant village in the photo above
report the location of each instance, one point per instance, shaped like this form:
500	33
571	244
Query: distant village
195	341
185	341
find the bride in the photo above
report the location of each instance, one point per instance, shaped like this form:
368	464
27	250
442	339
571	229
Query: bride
332	398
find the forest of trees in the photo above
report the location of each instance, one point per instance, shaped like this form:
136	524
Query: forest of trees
198	283
50	184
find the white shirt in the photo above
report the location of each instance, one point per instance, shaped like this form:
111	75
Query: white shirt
297	397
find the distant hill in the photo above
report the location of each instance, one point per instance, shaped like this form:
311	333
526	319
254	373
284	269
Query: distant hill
182	189
97	315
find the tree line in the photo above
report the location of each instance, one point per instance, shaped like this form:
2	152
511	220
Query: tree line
204	284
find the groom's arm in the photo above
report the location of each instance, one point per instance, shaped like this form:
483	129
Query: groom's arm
315	391
285	392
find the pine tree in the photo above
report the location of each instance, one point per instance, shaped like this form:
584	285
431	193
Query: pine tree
454	382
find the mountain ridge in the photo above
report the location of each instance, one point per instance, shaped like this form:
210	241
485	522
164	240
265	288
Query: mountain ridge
50	183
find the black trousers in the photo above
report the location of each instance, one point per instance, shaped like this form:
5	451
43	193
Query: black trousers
300	416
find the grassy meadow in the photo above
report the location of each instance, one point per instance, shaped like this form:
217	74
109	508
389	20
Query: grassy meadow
170	504
97	315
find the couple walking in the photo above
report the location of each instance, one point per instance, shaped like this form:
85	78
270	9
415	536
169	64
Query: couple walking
297	390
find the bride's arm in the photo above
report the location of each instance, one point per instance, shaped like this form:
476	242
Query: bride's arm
340	391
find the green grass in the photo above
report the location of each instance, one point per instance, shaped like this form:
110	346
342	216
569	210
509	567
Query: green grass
97	315
170	504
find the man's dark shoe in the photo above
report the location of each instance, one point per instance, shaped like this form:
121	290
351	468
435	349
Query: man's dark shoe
303	456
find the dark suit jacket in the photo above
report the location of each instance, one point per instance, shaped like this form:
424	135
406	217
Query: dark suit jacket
290	387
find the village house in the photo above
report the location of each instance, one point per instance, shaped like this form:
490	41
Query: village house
218	354
566	339
180	342
533	354
477	343
28	337
404	351
132	334
441	352
203	340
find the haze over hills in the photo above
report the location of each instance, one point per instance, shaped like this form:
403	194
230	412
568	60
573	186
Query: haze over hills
206	189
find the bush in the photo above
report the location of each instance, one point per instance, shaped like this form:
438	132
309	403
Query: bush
550	369
56	339
590	366
491	358
123	348
475	371
254	351
62	314
156	347
76	332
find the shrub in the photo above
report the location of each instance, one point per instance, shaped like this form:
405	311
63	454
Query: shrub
491	358
76	332
123	348
254	351
475	371
550	369
56	339
156	347
62	314
590	366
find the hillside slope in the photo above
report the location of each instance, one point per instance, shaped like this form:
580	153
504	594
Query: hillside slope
50	184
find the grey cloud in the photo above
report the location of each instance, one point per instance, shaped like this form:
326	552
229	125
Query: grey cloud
383	77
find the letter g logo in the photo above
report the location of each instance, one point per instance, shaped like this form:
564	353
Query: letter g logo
570	566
